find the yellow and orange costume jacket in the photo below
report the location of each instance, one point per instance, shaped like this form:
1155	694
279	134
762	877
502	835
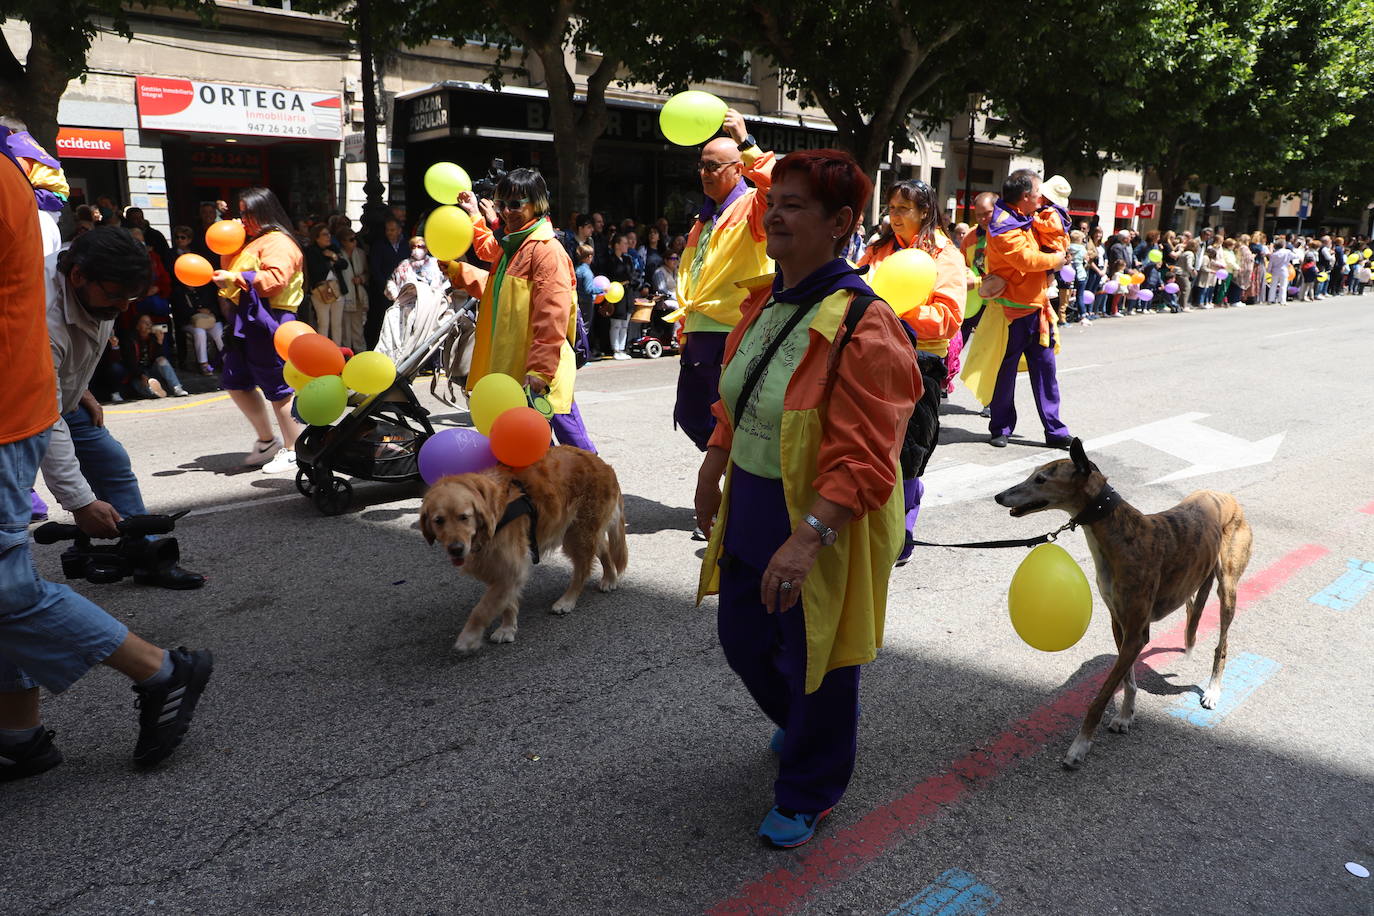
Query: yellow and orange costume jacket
844	417
525	328
936	320
279	267
735	251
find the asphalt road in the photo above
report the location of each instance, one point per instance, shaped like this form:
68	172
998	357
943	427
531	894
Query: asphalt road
345	761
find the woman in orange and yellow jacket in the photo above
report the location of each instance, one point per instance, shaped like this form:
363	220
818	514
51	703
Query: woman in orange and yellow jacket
814	403
914	220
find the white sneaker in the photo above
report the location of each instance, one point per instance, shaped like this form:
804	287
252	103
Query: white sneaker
262	452
621	354
285	461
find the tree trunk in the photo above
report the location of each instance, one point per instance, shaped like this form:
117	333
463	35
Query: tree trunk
1172	187
574	182
32	92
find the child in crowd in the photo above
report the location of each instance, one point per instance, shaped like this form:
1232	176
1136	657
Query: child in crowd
1362	277
1078	260
1207	277
1114	273
1309	277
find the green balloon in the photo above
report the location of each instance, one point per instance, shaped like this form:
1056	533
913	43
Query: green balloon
1156	255
321	401
692	117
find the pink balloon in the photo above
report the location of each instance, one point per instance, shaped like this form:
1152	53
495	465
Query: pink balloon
600	283
1110	287
1222	275
1171	288
1145	295
1066	274
1088	297
455	451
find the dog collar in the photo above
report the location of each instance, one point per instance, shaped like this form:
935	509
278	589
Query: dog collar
1101	506
523	505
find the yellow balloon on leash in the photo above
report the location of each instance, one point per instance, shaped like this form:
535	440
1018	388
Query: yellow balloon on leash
1049	599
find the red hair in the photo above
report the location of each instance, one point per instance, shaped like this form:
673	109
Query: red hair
834	178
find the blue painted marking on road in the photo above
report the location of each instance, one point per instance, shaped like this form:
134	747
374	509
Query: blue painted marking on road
1346	592
1243	675
954	893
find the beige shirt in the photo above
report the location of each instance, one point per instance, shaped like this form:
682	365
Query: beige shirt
78	339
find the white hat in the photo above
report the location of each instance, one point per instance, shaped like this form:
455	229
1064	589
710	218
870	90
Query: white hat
1057	190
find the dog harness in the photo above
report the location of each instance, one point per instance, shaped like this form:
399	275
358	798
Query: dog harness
523	505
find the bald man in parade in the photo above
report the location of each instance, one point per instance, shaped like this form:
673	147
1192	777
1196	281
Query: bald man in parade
726	244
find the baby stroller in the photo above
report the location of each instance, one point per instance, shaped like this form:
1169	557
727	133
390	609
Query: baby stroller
381	435
653	337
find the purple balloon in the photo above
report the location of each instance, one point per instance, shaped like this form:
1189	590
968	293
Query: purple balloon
1066	274
1088	297
600	283
455	451
1171	288
1110	287
1292	290
1145	295
1222	275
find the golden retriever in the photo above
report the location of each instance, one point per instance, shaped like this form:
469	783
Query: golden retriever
579	506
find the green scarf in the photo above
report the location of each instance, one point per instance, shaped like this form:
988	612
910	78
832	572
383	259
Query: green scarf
510	244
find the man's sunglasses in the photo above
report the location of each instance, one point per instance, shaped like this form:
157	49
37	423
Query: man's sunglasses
710	168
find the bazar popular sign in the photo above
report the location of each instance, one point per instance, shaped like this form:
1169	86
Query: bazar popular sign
228	108
89	143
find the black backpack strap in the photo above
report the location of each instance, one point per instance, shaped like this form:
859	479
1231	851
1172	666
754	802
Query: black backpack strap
854	314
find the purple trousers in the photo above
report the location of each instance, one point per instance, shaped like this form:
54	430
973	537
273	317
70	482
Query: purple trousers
569	429
698	385
39	509
913	490
1023	336
768	653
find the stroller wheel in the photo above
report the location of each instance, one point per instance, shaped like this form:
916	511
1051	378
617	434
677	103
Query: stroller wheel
333	496
653	349
304	485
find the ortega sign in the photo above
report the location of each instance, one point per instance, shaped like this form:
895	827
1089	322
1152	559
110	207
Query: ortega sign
227	108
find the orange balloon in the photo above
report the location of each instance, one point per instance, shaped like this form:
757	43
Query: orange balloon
520	437
287	332
225	236
193	270
315	355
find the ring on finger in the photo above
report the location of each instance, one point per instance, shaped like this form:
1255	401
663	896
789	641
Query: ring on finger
787	585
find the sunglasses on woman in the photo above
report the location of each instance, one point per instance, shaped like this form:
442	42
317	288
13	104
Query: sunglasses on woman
510	204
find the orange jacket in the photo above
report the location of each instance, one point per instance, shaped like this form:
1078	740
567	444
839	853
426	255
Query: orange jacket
865	406
1015	256
936	320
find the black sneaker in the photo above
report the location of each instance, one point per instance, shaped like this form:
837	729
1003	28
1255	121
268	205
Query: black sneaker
37	755
998	442
165	711
1059	441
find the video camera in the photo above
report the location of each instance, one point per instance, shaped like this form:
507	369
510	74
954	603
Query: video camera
132	553
485	187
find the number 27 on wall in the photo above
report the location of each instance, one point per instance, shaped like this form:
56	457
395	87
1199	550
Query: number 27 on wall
147	171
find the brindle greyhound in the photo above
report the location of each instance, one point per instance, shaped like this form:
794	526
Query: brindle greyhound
1147	567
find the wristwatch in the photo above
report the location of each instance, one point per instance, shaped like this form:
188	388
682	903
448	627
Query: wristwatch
828	534
748	142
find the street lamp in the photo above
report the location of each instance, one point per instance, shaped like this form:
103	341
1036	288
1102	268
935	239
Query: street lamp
975	99
375	211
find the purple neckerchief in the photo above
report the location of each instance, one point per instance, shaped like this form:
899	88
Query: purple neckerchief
1063	214
831	278
257	314
1005	219
13	145
709	209
6	135
22	144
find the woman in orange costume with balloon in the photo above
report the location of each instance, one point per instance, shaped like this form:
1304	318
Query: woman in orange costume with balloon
934	313
528	313
262	285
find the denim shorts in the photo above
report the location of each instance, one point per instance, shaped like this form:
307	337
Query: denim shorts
49	635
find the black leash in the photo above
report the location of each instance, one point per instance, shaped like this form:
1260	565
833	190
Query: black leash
523	505
1102	506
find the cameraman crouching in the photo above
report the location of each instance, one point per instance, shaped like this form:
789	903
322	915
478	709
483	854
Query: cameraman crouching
85	467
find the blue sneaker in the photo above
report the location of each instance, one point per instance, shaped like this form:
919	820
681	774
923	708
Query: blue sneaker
786	831
775	745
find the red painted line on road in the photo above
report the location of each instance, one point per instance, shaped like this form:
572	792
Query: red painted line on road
832	859
1368	510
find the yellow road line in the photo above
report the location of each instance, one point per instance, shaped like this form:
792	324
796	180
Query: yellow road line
221	397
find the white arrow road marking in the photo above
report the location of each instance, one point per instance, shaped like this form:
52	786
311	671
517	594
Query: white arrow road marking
1205	449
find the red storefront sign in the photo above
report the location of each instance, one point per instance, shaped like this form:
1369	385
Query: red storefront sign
1125	211
1146	211
89	143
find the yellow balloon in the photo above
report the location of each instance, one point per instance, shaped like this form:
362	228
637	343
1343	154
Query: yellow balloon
493	395
1369	252
448	233
905	280
1049	599
444	181
615	292
692	117
369	372
295	377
